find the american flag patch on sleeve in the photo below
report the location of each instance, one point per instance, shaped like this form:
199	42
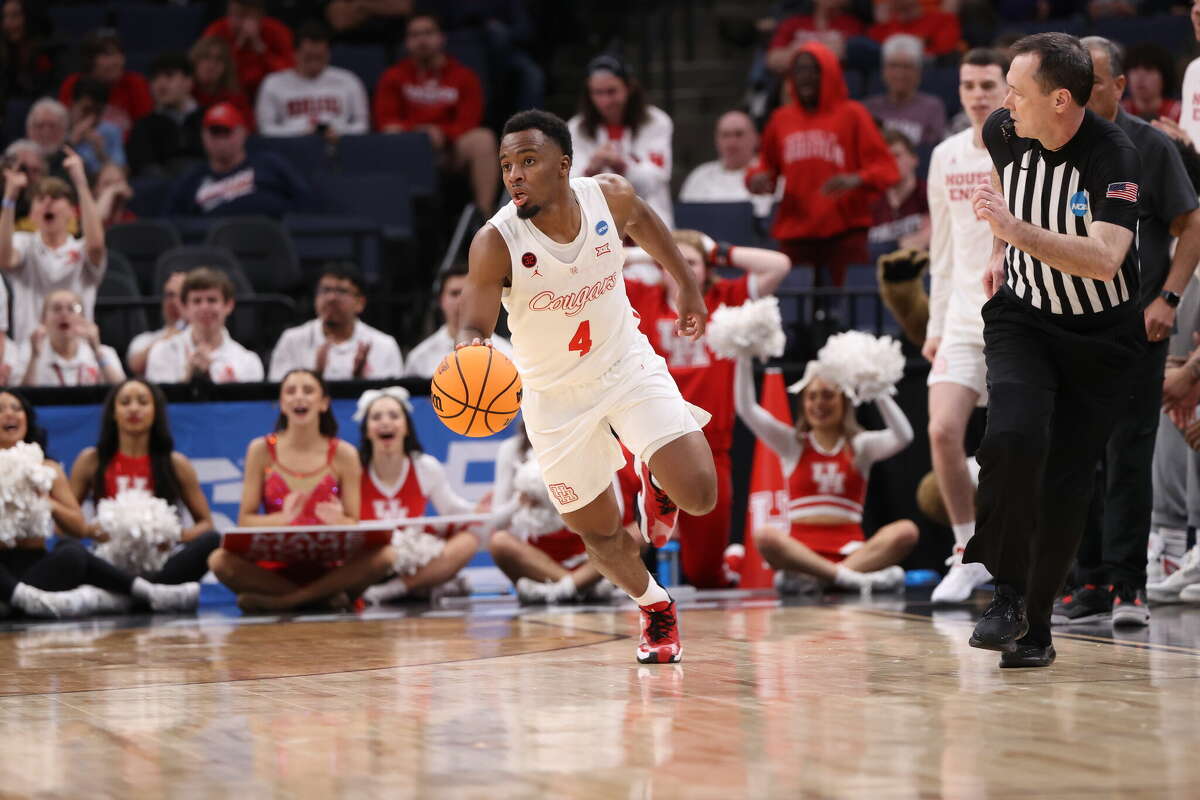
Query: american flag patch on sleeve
1122	191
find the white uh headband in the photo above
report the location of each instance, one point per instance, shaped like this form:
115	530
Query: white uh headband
397	393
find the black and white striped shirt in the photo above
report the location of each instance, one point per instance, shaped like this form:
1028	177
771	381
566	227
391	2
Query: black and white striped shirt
1092	178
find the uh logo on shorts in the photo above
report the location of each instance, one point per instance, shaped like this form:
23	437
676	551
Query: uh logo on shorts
563	493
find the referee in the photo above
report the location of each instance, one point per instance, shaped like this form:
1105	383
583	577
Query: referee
1061	332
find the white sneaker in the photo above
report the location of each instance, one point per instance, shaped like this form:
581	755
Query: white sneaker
1168	590
531	592
789	582
105	602
1190	594
381	593
51	605
885	580
458	586
174	597
961	581
601	592
1155	550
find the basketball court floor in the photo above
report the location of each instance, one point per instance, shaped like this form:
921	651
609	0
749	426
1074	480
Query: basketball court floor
832	697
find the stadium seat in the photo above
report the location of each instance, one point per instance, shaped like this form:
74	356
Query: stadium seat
725	222
73	22
942	82
383	198
15	112
409	154
141	242
263	250
118	325
1168	30
307	154
167	26
188	257
150	194
367	61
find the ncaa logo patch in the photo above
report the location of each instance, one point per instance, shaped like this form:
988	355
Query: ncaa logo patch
1079	203
602	227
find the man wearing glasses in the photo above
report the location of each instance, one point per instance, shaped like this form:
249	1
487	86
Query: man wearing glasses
337	344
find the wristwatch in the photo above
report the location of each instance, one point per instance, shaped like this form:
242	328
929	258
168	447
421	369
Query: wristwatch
1171	297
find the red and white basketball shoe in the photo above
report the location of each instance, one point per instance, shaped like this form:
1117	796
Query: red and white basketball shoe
659	514
660	635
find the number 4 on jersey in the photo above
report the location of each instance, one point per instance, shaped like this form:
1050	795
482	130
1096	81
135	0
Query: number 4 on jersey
582	340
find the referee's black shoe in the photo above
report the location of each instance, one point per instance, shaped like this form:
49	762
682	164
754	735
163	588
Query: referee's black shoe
1003	623
1028	654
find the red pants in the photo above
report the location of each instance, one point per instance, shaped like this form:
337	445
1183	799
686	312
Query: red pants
828	540
834	254
564	546
702	540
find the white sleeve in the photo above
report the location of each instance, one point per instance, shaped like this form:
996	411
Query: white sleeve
249	367
267	109
584	147
691	190
508	459
873	446
653	140
941	251
358	118
285	357
774	434
161	366
435	484
21	242
384	358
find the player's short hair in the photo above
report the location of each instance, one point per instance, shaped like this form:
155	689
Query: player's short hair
987	57
893	136
1063	63
313	31
1114	51
551	125
203	278
344	271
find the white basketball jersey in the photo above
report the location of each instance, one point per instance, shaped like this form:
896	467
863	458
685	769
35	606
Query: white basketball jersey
567	308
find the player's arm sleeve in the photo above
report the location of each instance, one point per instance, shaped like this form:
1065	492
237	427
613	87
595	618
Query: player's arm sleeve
940	248
873	446
774	434
1115	184
878	169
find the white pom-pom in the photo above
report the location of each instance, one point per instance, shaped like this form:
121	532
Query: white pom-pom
414	549
864	366
25	482
141	530
535	515
752	329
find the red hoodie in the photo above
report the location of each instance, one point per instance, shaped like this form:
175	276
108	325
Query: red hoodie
809	147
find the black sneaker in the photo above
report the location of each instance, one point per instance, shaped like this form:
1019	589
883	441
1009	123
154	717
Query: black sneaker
1084	603
1003	622
1129	606
1028	654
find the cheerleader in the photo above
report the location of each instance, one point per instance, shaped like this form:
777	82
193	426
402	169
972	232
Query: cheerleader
827	459
137	451
68	581
399	481
301	474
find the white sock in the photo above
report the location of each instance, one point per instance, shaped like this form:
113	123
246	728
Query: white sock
1174	541
848	578
653	594
963	532
140	589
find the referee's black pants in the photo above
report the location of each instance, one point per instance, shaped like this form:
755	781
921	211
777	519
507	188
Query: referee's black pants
1053	395
1113	549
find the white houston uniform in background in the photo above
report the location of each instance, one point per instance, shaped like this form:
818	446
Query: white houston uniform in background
584	364
958	256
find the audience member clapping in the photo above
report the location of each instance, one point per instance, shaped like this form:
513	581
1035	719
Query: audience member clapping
919	116
65	350
128	95
173	324
260	44
312	97
423	359
168	139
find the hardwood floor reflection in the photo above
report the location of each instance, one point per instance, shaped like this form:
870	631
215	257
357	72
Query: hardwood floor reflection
813	701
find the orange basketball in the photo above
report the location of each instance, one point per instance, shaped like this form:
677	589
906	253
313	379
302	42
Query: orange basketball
476	391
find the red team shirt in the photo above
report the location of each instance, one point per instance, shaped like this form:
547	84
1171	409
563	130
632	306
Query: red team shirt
128	472
408	501
827	484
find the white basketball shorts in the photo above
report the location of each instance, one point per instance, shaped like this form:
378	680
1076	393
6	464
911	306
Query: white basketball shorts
961	362
571	426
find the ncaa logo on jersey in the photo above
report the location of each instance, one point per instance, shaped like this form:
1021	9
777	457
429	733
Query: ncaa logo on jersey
1079	203
602	227
563	493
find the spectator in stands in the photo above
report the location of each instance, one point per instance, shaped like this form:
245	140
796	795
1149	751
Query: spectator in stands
900	216
112	191
822	140
205	349
167	140
234	182
94	138
46	126
919	116
1188	129
50	258
432	92
724	180
27	68
939	30
65	349
138	351
260	44
337	345
1151	71
506	28
25	156
215	77
828	24
616	130
104	61
423	359
11	368
312	97
379	21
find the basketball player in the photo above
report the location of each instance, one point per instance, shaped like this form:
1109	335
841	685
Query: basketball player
553	256
958	257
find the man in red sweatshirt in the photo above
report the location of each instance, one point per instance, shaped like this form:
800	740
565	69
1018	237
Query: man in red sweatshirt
834	162
260	44
434	93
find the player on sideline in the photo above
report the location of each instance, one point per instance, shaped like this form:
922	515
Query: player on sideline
958	257
553	256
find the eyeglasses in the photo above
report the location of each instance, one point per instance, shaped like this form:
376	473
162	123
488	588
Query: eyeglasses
68	308
340	291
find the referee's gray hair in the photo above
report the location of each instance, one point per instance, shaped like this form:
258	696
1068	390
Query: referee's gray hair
903	44
52	105
1114	51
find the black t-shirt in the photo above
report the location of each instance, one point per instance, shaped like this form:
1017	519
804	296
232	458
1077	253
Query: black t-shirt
1165	193
1094	177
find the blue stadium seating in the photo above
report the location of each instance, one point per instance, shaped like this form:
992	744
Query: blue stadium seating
15	112
166	27
367	61
142	242
726	222
72	22
308	154
1169	30
942	82
149	195
409	154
